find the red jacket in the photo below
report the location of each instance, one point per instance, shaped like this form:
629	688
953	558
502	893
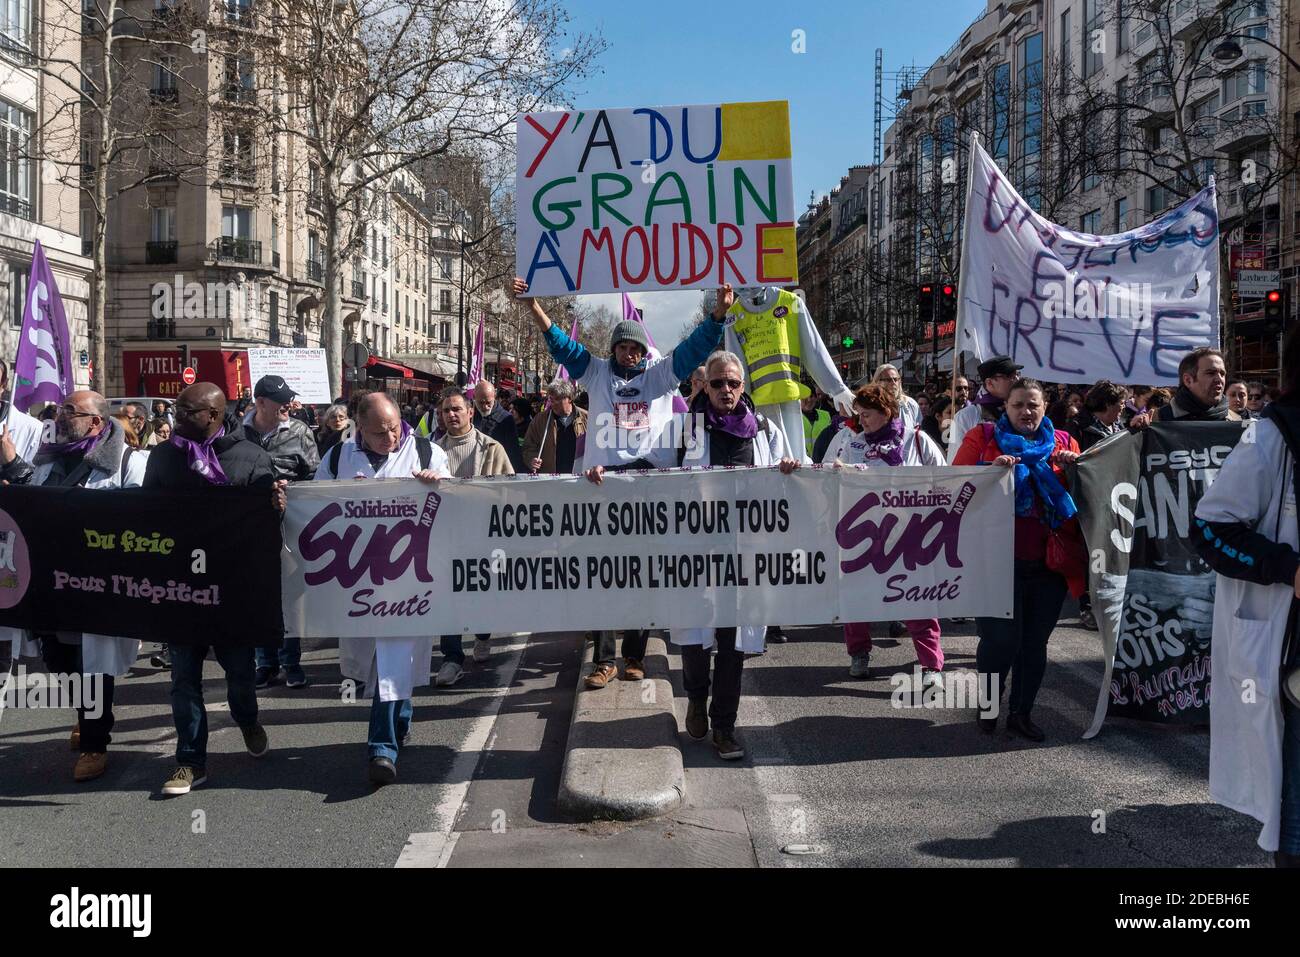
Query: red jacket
980	447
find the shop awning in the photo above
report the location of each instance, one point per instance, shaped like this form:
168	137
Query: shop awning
388	368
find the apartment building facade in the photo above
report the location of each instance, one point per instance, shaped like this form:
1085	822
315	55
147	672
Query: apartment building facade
1087	105
38	200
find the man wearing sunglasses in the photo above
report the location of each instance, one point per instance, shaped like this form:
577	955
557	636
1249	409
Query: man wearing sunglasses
630	408
293	452
88	450
201	455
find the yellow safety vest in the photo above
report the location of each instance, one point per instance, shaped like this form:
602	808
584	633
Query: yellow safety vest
770	341
810	434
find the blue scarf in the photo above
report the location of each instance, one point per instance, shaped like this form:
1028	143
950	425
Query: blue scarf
1034	475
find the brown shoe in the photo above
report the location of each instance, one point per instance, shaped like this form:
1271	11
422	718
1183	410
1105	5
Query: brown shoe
74	741
633	669
90	766
600	676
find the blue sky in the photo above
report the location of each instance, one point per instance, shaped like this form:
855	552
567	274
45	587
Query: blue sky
711	51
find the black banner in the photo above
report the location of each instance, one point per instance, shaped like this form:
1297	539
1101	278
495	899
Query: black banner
198	566
1153	597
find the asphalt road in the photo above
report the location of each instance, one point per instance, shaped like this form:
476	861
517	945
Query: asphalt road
834	771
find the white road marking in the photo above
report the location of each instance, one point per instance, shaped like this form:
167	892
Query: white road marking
434	848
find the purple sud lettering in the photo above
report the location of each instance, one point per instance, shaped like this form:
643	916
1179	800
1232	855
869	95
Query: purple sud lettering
926	535
387	555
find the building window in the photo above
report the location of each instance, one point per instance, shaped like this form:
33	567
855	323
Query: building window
446	332
162	224
1031	119
1121	215
1248	80
444	300
1121	27
1090	222
239	79
237	155
273	308
999	115
18	272
16	29
237	222
15	167
1157	199
164	74
1092	24
1065	65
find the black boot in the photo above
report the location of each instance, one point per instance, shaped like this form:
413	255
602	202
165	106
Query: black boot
1021	725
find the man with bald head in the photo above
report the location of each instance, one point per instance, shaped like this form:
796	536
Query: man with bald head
200	455
496	422
388	669
88	450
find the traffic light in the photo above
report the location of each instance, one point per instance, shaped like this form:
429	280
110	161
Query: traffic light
948	303
185	357
1277	310
925	301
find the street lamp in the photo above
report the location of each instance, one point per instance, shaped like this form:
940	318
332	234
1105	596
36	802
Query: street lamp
1228	49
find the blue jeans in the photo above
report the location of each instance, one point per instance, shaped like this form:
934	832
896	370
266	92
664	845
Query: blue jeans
188	713
390	721
451	648
1019	644
1289	841
289	652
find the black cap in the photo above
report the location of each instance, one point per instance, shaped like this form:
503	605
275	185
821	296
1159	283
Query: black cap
998	365
274	388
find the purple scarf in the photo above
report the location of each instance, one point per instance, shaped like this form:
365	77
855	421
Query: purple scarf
201	457
989	400
53	450
742	423
886	443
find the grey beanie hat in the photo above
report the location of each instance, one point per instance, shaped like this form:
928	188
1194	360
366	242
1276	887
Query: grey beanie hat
628	331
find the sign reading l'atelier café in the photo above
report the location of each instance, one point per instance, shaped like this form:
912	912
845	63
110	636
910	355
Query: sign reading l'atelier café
160	372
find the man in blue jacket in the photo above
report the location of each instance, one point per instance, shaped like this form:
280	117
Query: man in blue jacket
630	406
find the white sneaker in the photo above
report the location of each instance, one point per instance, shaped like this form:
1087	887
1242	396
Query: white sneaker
448	674
482	649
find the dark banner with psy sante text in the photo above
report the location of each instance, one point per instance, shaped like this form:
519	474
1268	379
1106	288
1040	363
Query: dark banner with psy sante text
1151	593
185	567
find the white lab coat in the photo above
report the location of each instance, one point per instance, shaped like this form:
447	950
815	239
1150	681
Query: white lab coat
967	417
769	450
1255	487
398	665
817	361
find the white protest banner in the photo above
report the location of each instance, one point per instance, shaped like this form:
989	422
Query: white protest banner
667	549
1074	307
680	197
303	369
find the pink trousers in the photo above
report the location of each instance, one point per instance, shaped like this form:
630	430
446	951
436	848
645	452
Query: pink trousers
924	632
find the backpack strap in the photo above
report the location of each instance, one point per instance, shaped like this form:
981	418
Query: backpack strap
334	458
126	464
424	449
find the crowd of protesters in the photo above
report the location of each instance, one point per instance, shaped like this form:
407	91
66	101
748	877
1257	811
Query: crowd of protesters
998	419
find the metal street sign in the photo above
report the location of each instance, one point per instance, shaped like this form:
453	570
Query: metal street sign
356	355
1256	282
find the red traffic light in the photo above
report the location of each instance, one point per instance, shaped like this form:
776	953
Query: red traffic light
1273	295
926	289
947	290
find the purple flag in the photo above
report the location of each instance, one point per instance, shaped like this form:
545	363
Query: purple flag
43	366
476	363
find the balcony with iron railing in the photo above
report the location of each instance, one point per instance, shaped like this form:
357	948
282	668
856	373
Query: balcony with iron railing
358	290
237	249
160	253
16	51
15	206
237	94
315	270
238	171
315	201
164	94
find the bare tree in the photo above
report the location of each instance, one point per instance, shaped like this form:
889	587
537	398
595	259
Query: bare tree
129	116
371	87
